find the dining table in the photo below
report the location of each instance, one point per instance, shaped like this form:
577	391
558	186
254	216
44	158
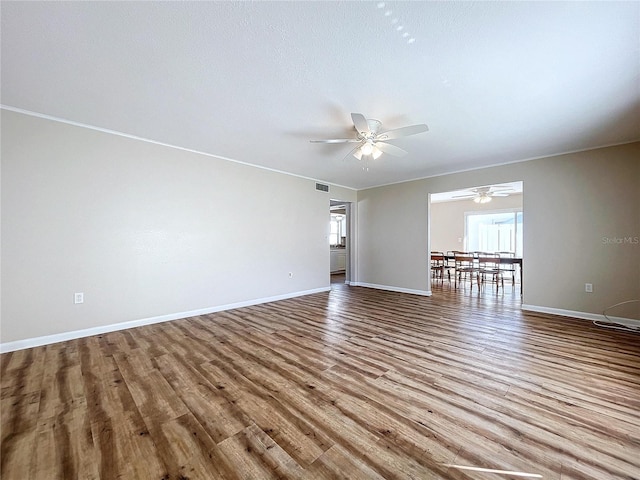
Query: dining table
504	260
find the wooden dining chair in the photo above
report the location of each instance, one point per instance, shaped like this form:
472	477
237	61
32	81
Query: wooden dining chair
508	268
489	270
450	258
439	266
450	262
465	268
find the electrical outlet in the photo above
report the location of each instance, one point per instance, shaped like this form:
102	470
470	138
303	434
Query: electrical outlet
78	297
588	287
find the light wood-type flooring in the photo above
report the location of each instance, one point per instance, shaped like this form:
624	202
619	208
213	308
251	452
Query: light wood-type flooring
350	384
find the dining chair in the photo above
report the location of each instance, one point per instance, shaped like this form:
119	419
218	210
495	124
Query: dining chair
465	267
489	269
439	266
508	268
450	261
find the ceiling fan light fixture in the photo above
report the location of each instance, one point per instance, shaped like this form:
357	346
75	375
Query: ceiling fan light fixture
482	198
376	153
358	154
367	148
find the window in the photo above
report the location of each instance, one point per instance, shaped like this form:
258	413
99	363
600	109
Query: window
338	229
494	231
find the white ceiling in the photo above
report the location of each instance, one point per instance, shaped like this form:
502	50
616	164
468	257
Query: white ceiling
255	81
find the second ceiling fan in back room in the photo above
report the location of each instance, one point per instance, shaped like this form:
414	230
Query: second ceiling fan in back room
372	142
484	194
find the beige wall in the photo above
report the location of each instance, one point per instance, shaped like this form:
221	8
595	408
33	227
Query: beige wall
147	231
572	204
144	230
448	219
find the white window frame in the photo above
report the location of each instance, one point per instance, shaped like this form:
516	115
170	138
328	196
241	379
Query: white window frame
341	227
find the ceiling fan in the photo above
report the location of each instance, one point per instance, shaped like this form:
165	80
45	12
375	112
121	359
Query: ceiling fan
484	194
372	142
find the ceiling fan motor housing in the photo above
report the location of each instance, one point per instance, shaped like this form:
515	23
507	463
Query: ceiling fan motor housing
374	125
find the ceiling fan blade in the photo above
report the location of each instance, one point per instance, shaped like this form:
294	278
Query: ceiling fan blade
352	152
337	140
499	194
463	196
390	149
402	132
360	123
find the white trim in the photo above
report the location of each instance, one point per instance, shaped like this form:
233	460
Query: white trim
9	108
434	175
582	315
501	164
88	332
425	293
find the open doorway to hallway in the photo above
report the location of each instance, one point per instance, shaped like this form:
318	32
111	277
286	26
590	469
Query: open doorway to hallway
339	235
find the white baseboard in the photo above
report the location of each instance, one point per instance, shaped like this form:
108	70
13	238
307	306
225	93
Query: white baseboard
88	332
631	322
426	293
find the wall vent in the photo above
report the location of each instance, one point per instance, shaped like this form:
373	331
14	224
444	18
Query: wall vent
322	188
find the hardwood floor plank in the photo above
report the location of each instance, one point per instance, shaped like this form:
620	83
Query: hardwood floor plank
125	449
604	427
219	417
17	454
353	383
290	430
20	413
65	447
336	461
187	451
495	458
151	393
256	456
22	372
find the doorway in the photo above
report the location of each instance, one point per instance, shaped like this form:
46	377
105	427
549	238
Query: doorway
339	240
477	220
